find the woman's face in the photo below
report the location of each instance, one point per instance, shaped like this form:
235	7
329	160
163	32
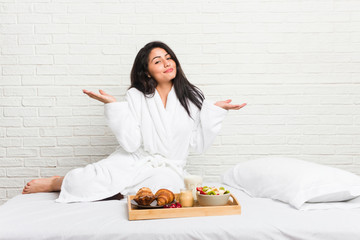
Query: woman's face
161	66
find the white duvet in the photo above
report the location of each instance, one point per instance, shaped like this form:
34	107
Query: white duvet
37	216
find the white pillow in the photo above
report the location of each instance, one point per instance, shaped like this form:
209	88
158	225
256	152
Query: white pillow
293	181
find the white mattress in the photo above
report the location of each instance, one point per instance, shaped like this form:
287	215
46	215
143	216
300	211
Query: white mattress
37	216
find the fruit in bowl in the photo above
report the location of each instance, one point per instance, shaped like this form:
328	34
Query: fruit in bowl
211	196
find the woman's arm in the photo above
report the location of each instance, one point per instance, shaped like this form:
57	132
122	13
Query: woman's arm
122	119
208	123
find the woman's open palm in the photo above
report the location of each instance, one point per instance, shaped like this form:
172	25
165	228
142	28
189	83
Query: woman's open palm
102	97
227	106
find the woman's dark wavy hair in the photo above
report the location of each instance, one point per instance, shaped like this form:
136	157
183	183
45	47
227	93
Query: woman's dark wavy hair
184	90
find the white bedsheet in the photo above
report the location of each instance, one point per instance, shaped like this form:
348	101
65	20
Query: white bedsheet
38	216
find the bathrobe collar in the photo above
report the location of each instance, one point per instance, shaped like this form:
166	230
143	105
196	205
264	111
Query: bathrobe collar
163	117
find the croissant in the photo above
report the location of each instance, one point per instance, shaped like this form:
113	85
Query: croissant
144	196
164	196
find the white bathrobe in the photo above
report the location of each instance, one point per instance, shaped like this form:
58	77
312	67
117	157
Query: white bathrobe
154	145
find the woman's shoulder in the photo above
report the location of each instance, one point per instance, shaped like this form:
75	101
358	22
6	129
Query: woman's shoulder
134	90
134	93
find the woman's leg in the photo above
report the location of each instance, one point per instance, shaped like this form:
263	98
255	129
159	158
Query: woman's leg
52	184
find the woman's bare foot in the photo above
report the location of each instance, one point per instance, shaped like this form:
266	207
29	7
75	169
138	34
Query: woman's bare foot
51	184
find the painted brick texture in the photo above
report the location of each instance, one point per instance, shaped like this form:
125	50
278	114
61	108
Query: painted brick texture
296	64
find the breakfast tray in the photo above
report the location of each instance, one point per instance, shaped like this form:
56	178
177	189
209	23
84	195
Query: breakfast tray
231	208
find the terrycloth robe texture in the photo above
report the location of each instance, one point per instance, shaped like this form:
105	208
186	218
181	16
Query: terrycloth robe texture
154	144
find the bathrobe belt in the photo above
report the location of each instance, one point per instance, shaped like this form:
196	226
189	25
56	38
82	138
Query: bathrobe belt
158	161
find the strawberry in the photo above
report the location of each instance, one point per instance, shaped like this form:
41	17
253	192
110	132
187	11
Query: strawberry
199	189
202	192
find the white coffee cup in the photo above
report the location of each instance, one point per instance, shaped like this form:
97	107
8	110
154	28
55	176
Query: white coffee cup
192	182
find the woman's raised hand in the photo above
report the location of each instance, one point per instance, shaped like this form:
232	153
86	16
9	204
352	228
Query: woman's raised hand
227	106
102	97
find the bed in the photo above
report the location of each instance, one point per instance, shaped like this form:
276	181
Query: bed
38	216
280	198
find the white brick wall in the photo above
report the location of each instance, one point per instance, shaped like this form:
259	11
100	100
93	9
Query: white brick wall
296	64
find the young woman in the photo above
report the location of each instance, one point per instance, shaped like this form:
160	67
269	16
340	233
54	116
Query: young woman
164	116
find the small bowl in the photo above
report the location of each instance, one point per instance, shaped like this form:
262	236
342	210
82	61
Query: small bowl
212	200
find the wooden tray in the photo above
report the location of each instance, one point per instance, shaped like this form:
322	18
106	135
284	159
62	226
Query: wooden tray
233	207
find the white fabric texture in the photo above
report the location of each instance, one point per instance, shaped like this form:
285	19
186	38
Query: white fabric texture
37	216
154	145
303	185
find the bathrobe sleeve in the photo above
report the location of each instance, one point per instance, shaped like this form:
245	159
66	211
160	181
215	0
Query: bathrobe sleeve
207	125
123	120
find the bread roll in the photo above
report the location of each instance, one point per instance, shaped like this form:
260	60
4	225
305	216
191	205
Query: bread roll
144	196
